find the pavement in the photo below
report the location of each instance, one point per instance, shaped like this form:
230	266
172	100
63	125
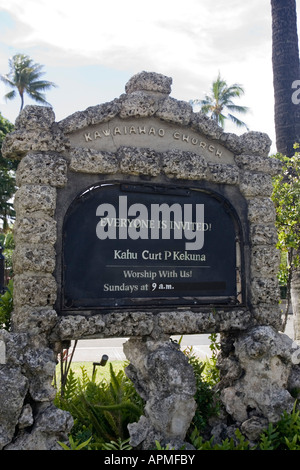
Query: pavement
91	350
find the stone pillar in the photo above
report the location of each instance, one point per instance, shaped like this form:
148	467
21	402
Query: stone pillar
28	358
295	301
257	377
165	380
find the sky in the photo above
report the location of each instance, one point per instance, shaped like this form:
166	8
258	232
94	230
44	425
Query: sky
91	48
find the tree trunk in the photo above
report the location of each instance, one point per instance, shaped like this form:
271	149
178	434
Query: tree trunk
286	69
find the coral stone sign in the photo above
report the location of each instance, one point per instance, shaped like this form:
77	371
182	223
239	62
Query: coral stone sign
128	245
142	219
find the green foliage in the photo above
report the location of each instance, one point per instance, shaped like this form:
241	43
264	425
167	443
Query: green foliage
75	445
206	375
64	359
8	245
102	410
6	307
237	443
117	445
268	438
286	197
7	177
285	434
158	446
5	128
7	240
70	388
211	372
7	190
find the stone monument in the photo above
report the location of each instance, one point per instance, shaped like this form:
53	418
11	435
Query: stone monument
92	261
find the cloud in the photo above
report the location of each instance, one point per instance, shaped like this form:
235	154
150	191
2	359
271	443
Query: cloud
126	34
190	41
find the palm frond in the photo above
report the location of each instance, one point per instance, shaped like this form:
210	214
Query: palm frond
5	79
238	109
220	100
10	95
25	76
237	121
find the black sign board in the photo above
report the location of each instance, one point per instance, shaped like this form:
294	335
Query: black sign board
141	245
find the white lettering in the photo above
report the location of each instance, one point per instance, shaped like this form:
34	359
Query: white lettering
296	94
173	459
166	210
116	460
110	233
188	139
190	234
2	352
134	222
139	230
117	131
87	137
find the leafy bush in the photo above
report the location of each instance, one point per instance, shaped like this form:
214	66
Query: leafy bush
204	396
8	245
102	410
284	435
286	198
239	443
206	375
6	307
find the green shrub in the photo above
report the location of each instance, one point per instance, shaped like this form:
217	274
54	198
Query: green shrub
206	375
8	245
6	307
239	443
284	435
102	410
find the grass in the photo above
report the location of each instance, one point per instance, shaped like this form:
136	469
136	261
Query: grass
102	373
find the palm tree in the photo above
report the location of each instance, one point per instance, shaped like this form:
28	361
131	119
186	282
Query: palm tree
24	77
220	101
285	62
